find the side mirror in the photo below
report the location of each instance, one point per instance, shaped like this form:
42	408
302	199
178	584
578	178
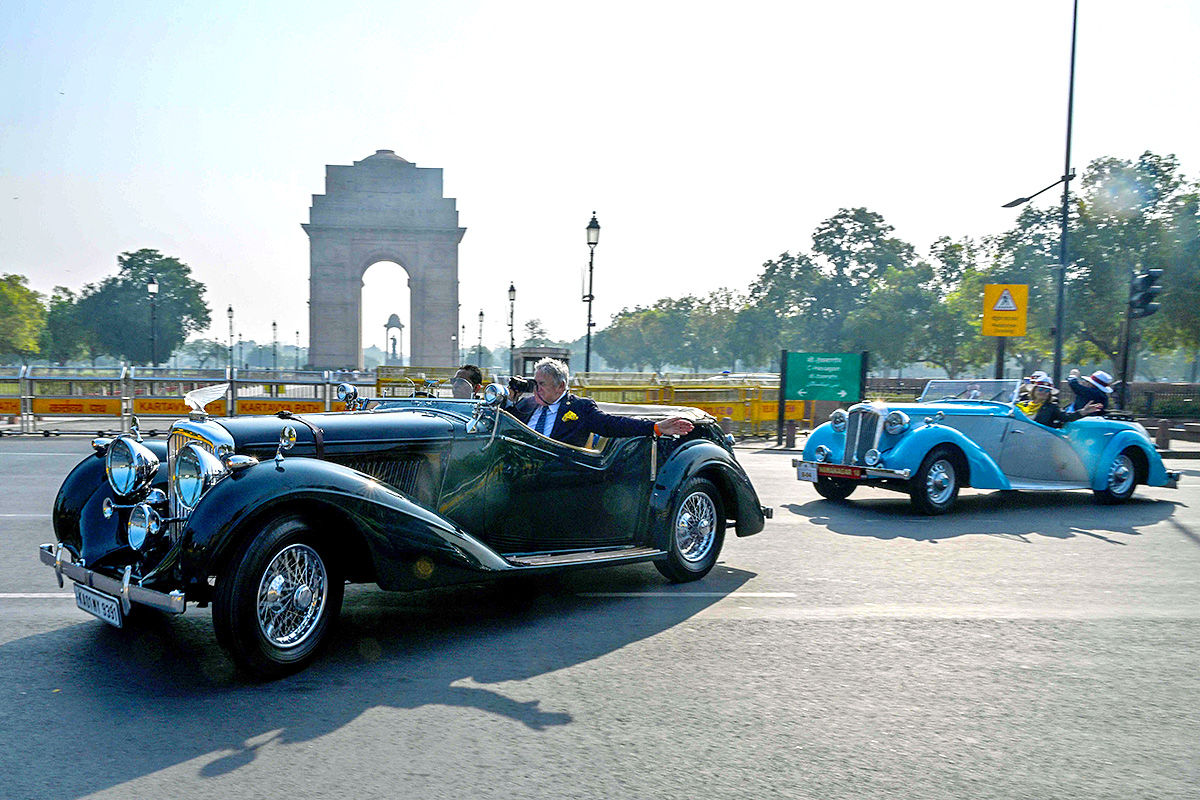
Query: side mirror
287	440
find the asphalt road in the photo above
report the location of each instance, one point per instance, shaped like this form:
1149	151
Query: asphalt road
1026	646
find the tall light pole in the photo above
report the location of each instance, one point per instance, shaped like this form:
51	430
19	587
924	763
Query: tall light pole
152	289
479	350
240	350
1065	180
229	313
297	351
274	346
593	238
512	340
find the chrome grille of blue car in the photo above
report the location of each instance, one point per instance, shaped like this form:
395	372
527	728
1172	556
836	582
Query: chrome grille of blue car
862	433
176	442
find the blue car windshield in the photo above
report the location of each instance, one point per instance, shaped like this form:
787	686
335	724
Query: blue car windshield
996	391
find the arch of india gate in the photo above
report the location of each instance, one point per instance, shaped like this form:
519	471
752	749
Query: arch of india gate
382	208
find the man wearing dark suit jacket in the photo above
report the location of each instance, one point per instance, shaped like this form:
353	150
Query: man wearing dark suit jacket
560	415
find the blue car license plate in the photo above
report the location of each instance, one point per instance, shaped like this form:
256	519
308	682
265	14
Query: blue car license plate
98	604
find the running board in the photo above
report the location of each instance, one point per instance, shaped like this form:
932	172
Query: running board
628	554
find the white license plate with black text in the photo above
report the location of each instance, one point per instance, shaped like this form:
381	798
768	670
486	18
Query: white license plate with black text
104	606
806	471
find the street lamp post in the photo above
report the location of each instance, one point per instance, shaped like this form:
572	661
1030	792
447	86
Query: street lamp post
297	351
479	350
1065	180
512	341
152	288
229	313
593	238
274	347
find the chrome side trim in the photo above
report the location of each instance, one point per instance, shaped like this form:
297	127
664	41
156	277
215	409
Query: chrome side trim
127	593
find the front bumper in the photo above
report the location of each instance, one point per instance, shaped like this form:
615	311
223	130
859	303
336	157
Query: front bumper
853	473
59	557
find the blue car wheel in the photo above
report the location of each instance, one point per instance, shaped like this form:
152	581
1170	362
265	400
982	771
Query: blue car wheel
935	486
1121	480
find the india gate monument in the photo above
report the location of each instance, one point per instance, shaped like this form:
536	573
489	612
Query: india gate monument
382	208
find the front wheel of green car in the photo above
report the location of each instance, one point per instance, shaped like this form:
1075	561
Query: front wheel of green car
278	602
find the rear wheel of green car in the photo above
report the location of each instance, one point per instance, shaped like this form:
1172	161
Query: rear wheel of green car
697	532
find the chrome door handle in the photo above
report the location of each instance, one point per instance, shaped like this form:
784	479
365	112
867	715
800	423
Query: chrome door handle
1017	433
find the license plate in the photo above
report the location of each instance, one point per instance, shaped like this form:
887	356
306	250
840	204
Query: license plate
101	605
806	471
839	471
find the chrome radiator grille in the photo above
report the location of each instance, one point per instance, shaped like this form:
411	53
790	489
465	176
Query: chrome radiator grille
862	433
175	442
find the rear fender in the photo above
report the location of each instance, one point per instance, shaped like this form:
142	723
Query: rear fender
984	473
410	546
689	460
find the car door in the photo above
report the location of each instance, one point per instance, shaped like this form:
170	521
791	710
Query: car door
545	496
1035	456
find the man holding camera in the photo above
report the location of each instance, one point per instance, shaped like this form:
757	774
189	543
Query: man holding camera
556	413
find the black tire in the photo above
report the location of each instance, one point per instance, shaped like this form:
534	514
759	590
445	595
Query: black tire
286	576
835	488
935	486
696	534
1121	480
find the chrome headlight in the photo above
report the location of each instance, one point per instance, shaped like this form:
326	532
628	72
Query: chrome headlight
839	419
872	457
822	453
130	466
196	471
896	423
144	525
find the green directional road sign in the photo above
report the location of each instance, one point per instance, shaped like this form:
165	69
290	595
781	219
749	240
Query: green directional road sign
823	376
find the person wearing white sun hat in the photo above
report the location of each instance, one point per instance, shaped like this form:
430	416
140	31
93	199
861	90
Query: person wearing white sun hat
1094	388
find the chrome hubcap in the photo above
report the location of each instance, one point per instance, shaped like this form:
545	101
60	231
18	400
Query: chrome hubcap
1120	475
291	596
939	483
696	527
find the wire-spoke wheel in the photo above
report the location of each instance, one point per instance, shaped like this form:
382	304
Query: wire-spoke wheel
935	486
697	532
278	600
1120	480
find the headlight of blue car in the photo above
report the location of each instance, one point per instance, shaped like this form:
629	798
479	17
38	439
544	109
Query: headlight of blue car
838	419
896	423
130	466
196	471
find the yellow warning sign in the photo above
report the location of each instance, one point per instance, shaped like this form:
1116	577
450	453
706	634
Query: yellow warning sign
1005	307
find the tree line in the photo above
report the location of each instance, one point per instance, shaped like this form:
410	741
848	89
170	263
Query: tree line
108	318
862	288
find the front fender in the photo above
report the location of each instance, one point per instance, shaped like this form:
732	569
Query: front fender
688	461
1156	472
826	435
398	533
916	444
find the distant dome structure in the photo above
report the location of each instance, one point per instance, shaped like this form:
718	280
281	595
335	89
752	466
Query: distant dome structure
389	155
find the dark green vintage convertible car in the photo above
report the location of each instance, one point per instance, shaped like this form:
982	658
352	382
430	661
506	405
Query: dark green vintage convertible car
268	518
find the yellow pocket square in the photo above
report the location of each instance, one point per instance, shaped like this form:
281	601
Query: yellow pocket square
570	416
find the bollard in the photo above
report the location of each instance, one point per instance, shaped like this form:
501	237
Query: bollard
1162	437
791	434
726	424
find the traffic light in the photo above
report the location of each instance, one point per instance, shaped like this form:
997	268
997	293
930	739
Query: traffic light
1143	288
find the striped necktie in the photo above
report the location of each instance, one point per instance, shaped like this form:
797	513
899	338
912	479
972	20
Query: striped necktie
545	422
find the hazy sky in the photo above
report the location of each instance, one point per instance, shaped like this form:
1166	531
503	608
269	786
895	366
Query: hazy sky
707	137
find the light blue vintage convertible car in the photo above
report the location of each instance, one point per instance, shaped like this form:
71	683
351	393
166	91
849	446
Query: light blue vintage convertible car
969	433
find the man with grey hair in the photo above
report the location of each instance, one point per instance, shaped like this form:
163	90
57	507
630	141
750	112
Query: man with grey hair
554	412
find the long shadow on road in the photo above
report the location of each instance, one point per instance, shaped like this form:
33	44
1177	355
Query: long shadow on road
1016	515
120	704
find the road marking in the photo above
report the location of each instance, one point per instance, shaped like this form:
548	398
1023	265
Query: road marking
28	516
19	453
35	595
686	594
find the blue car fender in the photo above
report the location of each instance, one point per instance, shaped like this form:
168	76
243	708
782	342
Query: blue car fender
1156	474
824	434
917	443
